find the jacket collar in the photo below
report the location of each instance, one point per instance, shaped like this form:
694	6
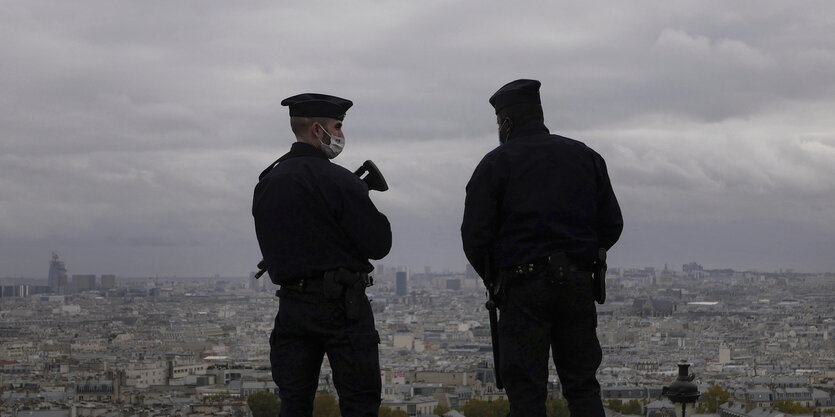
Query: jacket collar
298	149
302	149
529	129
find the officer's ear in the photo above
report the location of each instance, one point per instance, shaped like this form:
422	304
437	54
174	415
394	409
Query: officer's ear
316	129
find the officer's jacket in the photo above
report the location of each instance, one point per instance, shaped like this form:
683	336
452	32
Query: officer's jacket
312	215
535	195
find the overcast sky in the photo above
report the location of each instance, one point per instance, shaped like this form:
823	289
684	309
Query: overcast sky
133	132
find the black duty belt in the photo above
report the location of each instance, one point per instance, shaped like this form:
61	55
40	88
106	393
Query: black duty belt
560	263
306	284
535	267
316	283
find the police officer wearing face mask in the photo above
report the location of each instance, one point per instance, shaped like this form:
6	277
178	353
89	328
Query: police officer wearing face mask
538	209
317	229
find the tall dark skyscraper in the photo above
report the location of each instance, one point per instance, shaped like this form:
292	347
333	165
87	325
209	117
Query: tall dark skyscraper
401	290
57	275
108	282
83	283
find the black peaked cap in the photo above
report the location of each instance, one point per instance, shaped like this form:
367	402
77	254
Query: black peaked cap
317	105
516	92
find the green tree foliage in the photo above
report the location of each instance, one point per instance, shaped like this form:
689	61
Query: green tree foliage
615	405
325	405
713	396
556	408
263	404
500	408
632	407
440	410
479	408
791	407
388	412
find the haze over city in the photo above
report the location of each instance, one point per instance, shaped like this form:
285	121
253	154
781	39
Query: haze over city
133	133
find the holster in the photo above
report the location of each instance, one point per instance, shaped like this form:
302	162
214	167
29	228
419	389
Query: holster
349	287
560	264
496	286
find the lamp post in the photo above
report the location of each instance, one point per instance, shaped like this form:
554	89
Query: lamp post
682	391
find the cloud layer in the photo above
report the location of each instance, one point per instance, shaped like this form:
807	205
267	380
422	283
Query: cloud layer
132	133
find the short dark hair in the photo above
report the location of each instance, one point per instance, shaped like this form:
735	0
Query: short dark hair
300	125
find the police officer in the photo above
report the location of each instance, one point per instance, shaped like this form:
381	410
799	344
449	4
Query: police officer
538	208
317	229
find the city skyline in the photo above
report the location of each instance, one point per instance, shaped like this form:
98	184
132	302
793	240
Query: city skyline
50	279
133	134
159	345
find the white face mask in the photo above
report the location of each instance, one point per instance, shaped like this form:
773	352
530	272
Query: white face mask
335	147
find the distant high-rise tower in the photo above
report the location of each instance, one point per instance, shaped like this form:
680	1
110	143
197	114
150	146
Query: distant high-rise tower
108	282
401	290
57	275
83	283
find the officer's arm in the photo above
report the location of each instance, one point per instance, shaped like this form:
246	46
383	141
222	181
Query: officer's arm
365	225
478	228
609	217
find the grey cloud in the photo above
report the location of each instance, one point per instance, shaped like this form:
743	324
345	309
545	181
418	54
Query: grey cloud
132	133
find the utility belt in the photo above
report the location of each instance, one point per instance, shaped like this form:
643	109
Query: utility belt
558	264
557	268
336	284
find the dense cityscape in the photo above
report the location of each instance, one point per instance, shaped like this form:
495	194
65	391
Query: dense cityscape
106	345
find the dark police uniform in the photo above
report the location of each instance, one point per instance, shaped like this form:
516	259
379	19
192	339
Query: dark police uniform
535	202
313	216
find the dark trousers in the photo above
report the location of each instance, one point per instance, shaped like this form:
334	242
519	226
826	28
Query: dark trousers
538	314
307	327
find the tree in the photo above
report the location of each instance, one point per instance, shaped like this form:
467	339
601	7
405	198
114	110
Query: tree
556	408
325	405
479	408
633	407
440	410
791	407
615	405
711	398
388	412
264	404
